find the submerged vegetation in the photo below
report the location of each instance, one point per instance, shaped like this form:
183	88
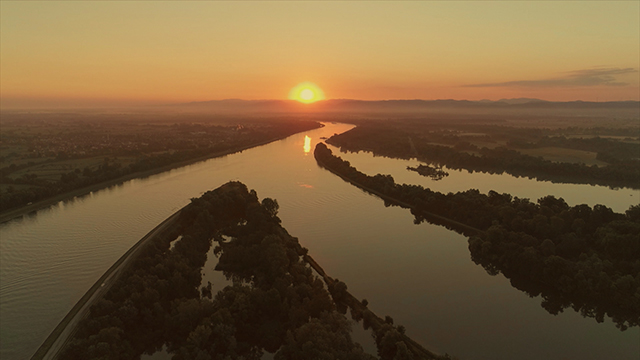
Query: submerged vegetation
580	257
276	303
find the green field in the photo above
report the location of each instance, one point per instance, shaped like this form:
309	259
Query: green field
53	170
557	154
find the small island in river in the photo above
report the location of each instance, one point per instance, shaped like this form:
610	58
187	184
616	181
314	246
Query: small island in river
429	171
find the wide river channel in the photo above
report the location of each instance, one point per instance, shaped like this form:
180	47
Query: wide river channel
421	275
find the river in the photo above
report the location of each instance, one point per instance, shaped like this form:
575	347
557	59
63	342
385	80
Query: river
421	275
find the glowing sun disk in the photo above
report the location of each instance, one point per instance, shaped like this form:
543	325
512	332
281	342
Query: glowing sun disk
306	92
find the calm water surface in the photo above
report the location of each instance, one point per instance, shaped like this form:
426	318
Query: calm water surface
421	275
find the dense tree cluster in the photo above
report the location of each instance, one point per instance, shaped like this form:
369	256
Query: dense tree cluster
583	257
275	303
392	141
432	172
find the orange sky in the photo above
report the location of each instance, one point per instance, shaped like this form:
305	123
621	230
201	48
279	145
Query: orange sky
106	53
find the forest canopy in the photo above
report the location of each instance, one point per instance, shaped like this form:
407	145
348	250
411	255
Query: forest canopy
275	303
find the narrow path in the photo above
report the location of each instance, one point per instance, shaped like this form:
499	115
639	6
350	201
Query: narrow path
65	330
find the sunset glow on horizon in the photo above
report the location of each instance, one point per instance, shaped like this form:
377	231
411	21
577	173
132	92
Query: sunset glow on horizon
93	53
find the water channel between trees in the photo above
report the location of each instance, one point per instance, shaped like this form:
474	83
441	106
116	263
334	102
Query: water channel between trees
421	275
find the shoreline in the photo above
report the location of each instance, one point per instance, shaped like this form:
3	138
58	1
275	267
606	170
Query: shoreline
354	304
389	199
34	208
65	330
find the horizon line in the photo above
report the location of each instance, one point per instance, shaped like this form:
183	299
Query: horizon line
99	104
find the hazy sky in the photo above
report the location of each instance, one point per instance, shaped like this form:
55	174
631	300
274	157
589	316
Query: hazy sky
177	51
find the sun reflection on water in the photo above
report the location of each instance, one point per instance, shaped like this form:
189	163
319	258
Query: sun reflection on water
307	144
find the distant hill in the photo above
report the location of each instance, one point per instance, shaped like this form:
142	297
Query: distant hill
392	106
520	101
235	105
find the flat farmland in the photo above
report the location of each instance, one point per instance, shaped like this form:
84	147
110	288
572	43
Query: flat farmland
53	170
45	155
562	155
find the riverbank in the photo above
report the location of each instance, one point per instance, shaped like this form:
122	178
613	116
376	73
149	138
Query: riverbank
439	220
376	322
66	328
58	340
32	208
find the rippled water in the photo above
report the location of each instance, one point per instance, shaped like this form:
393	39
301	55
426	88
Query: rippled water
421	275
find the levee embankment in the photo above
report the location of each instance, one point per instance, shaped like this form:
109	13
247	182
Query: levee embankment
65	330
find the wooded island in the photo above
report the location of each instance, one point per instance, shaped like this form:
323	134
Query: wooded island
276	303
580	257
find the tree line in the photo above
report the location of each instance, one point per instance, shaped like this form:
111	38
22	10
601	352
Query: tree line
623	158
583	257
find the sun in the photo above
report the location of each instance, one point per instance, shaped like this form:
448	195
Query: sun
306	92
